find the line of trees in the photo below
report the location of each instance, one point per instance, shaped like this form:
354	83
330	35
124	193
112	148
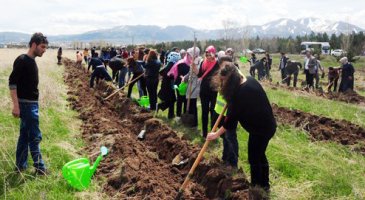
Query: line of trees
353	43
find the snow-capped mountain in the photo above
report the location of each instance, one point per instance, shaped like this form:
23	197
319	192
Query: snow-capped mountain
151	34
286	27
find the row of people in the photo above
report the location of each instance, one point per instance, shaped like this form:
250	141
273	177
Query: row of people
312	69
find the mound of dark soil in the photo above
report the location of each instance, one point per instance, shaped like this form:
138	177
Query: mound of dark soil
322	128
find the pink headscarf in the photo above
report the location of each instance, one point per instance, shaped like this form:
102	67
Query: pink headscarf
187	60
208	65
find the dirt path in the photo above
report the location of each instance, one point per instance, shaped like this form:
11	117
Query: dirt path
323	128
142	169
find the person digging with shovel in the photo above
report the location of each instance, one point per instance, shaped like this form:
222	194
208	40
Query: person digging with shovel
190	118
249	105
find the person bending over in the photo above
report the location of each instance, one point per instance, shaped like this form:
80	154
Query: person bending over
249	105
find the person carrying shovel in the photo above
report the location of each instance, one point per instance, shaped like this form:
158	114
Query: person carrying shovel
193	82
249	105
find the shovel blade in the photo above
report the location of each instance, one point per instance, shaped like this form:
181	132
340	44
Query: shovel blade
188	120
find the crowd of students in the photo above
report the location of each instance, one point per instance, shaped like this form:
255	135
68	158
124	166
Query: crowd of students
145	69
216	80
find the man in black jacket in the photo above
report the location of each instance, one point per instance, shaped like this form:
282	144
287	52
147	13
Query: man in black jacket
282	65
23	84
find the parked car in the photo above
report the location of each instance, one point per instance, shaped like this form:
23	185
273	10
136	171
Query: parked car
246	51
259	51
338	52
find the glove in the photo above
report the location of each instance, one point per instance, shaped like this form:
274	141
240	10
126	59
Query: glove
323	74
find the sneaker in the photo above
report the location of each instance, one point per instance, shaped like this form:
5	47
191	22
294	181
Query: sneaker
19	170
41	172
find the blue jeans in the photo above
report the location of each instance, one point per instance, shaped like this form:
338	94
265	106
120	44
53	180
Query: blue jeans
30	136
230	147
122	74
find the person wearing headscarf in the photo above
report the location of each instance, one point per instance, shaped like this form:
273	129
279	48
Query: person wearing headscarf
180	69
167	91
347	75
182	53
208	94
193	82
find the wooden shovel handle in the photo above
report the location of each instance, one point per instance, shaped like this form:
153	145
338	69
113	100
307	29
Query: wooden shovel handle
201	153
133	80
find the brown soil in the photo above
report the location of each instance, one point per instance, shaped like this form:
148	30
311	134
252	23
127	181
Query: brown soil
323	128
348	97
137	169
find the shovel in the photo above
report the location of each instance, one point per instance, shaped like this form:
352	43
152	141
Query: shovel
189	119
78	172
123	87
200	156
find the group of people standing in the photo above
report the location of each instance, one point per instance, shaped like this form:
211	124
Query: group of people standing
312	70
262	66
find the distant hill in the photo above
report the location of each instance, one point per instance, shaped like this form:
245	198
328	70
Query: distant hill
150	34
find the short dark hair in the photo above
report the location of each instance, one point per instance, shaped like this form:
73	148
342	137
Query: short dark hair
38	38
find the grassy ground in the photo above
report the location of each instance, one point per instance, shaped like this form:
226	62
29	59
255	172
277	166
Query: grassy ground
59	127
300	168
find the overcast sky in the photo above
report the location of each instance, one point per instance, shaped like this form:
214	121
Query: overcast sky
54	17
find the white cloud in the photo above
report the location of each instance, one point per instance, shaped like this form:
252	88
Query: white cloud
70	17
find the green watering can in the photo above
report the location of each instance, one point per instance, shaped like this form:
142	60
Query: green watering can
243	60
78	172
144	101
181	88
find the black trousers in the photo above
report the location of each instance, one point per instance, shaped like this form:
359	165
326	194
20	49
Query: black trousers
258	162
309	78
252	71
283	74
294	81
143	85
152	84
170	105
115	75
333	82
179	104
208	103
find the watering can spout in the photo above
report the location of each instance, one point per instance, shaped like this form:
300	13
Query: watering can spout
96	164
104	151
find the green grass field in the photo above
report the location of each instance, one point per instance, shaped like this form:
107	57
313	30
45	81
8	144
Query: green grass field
300	168
61	135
